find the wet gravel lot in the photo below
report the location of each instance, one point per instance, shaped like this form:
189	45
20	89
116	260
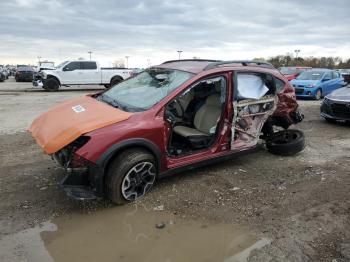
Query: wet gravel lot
300	203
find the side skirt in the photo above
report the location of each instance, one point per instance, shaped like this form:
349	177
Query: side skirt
210	161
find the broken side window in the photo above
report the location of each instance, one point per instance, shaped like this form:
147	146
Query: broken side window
250	86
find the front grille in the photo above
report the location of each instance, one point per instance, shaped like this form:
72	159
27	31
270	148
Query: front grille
341	110
299	90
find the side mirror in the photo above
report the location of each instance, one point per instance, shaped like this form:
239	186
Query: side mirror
65	68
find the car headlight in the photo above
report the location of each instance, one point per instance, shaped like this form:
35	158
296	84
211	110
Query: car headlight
310	85
43	75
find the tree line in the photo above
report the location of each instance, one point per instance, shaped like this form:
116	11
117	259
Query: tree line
316	62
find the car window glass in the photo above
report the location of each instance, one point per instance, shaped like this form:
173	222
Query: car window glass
335	75
73	66
328	75
89	65
279	84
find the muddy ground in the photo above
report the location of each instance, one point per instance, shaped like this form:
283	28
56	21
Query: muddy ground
299	206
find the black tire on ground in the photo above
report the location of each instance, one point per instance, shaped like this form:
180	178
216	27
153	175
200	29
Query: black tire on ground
116	80
318	95
120	167
51	85
286	143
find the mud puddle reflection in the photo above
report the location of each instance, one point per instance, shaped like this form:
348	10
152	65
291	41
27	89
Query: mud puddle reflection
135	233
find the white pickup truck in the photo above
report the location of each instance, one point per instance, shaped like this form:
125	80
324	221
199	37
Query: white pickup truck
80	72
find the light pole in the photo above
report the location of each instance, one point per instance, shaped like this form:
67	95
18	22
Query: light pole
179	52
297	51
90	52
39	58
127	61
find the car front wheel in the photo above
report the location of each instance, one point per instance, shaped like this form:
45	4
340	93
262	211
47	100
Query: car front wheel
130	176
318	94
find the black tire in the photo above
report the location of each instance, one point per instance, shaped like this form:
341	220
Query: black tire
318	94
121	166
51	85
286	142
115	80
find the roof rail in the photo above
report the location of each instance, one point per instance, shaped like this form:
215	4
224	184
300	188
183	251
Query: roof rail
242	62
191	60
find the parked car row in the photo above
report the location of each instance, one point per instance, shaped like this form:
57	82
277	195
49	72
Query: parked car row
315	82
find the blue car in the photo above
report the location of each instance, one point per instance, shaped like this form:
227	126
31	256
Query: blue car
317	83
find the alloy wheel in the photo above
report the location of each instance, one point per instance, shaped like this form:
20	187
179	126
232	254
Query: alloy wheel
138	181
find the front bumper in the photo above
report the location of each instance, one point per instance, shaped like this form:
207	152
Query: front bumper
305	91
38	83
337	110
82	183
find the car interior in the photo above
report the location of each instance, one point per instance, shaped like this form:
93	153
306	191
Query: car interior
195	116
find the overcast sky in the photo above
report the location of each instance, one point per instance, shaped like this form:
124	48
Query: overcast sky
152	31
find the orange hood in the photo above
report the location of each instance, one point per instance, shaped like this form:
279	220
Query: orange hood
65	122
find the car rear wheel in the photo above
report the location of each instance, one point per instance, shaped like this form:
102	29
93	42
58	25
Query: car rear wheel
115	80
130	176
286	142
318	94
51	85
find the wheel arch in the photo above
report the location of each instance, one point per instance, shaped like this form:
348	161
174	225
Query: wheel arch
49	76
116	76
108	156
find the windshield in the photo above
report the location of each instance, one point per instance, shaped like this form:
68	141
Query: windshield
62	64
310	75
145	89
288	70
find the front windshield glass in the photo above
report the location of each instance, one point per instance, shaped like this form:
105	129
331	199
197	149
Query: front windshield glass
145	89
310	75
62	64
288	70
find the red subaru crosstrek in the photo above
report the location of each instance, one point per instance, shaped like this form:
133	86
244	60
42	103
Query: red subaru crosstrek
171	117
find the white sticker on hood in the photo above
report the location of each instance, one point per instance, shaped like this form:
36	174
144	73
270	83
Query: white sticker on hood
78	109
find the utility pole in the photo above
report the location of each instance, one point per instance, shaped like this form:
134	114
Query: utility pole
127	61
90	52
179	52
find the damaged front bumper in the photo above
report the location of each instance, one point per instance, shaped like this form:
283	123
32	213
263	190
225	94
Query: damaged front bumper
38	83
83	183
84	179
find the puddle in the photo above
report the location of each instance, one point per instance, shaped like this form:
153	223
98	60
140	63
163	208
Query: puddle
131	233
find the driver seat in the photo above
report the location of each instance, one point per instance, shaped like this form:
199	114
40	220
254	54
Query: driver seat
205	121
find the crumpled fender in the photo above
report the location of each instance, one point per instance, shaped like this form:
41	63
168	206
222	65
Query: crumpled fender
287	104
65	122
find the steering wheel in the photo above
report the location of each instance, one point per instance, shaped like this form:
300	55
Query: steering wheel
175	112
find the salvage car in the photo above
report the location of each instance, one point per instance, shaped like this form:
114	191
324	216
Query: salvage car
175	116
24	73
317	83
291	72
336	105
80	72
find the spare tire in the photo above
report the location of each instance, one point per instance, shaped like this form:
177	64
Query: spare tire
286	143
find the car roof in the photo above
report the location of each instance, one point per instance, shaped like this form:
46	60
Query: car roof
199	65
